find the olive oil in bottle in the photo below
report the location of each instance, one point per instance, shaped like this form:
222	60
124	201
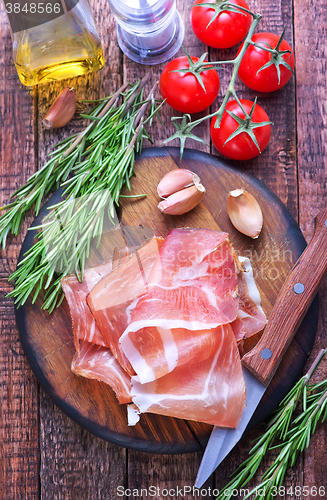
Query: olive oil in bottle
60	43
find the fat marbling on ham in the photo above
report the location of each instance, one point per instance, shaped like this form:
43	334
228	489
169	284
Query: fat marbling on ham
211	390
250	316
84	325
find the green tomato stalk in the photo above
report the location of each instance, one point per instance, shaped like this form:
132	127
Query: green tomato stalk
276	56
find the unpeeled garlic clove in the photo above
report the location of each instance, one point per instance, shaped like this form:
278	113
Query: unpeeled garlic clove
62	110
182	201
176	180
244	212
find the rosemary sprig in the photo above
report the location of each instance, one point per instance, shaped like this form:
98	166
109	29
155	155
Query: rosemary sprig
296	440
65	156
101	161
48	178
293	434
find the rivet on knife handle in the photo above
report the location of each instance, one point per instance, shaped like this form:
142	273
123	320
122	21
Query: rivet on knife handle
291	305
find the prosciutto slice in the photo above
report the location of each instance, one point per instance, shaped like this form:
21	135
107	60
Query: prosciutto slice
113	299
156	352
166	320
97	362
192	288
83	322
210	391
250	316
194	280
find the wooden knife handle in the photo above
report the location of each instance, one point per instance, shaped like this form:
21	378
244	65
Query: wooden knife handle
291	305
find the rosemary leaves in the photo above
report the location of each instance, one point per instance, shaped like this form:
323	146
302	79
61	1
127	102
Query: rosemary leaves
292	433
96	163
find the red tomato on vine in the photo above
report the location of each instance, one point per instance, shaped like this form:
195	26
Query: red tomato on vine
241	136
180	84
218	26
265	71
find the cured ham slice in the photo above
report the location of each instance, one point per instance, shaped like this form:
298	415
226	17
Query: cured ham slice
210	391
250	316
97	362
83	322
84	325
113	299
167	319
156	351
193	287
194	280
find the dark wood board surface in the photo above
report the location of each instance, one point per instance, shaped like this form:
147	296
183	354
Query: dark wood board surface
48	339
45	454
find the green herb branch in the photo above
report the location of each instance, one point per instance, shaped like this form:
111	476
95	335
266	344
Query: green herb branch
100	162
49	177
293	435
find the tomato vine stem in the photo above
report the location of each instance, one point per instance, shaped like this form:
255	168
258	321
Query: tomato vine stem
185	127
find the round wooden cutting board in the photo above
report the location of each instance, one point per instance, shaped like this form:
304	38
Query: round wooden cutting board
48	339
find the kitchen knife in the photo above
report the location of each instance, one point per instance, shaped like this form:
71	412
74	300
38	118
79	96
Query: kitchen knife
260	364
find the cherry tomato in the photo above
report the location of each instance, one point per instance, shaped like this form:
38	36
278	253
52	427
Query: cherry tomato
254	58
227	30
242	146
183	92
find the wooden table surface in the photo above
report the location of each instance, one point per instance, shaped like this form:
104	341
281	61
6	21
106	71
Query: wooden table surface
45	455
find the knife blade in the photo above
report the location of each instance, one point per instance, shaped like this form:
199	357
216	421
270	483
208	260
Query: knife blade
260	364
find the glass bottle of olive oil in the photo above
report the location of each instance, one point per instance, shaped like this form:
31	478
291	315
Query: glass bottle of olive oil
54	39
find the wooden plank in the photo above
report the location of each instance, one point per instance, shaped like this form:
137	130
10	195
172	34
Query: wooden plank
277	165
18	414
311	129
165	476
74	462
143	469
140	464
18	386
133	70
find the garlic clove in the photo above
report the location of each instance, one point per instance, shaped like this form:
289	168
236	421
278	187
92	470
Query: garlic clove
183	201
175	180
62	110
244	212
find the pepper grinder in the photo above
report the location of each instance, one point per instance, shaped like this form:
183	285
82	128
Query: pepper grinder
149	31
